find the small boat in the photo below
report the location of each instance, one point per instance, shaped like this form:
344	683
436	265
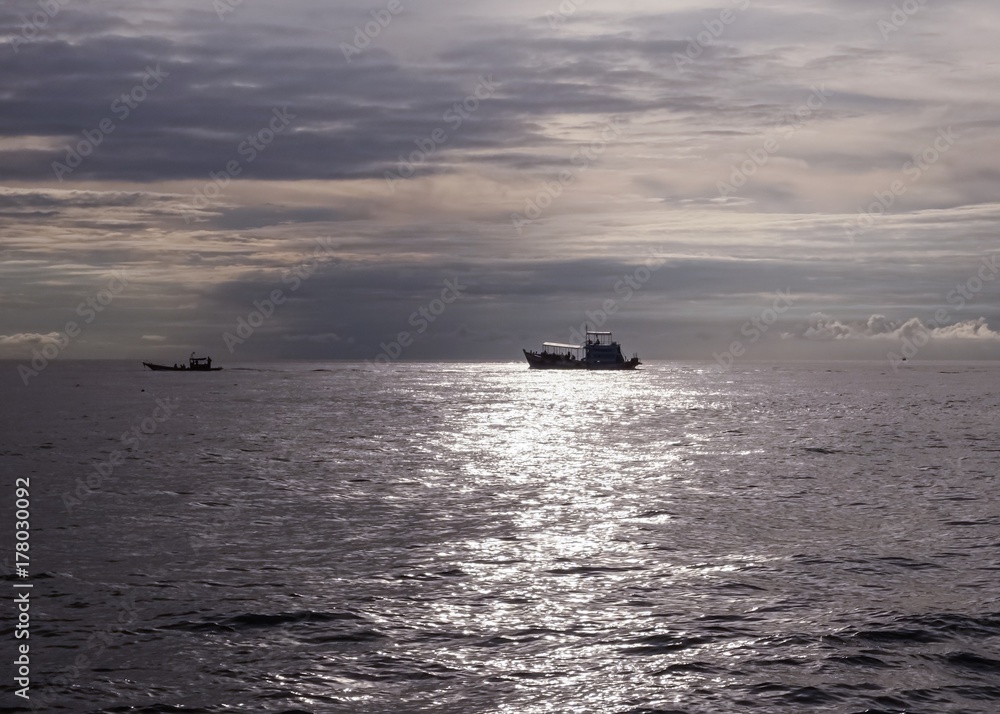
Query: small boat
599	351
195	364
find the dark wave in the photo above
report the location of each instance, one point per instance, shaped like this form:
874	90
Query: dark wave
249	621
661	644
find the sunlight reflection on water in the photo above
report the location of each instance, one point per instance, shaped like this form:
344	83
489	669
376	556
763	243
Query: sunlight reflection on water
487	538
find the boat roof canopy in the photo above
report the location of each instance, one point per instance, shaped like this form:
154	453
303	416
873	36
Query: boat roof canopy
591	332
560	345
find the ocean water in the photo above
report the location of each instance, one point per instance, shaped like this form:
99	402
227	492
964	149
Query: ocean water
296	537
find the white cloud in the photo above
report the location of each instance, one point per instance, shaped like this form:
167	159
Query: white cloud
22	343
824	327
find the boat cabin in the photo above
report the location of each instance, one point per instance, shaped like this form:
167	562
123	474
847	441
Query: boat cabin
199	362
558	349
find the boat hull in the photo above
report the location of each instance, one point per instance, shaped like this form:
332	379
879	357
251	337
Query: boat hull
168	368
537	360
627	364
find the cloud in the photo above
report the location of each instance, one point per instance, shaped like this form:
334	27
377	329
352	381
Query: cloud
22	343
689	127
879	327
29	338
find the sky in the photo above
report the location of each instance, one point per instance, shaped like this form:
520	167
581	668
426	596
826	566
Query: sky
721	181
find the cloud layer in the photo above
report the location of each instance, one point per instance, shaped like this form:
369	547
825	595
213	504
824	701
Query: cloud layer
824	327
831	147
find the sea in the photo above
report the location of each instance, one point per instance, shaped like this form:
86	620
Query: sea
485	538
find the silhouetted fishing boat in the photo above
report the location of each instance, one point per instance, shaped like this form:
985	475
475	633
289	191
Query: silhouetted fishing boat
195	364
599	351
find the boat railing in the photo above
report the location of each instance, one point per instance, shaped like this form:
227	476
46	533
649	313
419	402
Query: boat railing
599	338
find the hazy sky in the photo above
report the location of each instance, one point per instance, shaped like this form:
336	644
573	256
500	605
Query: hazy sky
808	178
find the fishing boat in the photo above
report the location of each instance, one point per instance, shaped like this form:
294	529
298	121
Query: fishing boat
194	364
599	351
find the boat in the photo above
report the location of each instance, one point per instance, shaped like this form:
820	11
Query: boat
599	351
195	364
